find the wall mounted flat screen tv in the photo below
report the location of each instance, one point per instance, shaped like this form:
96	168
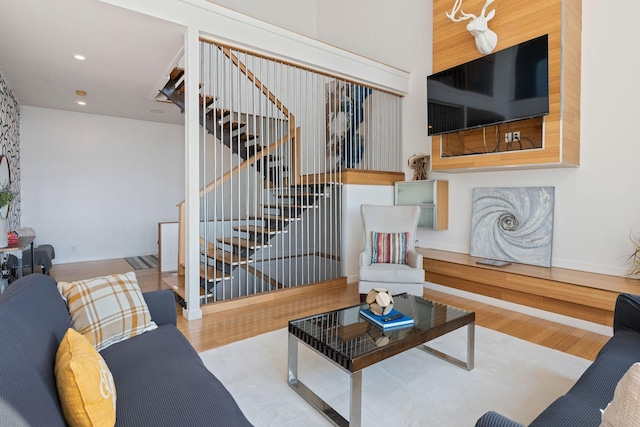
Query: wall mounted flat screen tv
508	85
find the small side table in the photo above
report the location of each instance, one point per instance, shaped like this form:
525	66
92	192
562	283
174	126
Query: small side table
16	250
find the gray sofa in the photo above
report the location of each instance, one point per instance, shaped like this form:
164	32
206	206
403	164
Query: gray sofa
160	379
581	406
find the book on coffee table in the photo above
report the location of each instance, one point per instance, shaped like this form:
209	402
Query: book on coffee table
393	320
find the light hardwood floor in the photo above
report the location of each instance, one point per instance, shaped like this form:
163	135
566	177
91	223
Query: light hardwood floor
221	328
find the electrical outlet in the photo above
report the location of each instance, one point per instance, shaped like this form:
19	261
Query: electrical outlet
507	138
516	136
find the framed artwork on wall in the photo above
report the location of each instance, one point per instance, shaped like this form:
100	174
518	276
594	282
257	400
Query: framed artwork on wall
513	224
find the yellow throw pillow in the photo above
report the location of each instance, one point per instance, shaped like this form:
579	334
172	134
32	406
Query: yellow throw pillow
85	385
107	310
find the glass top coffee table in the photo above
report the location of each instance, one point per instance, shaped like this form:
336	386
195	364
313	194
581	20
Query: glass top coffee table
352	343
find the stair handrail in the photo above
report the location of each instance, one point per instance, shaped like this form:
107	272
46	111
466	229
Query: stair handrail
243	68
295	153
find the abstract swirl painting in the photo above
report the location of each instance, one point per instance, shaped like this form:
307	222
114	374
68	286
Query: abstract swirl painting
513	224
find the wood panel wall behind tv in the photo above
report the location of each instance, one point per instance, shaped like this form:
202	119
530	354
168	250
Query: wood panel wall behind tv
517	21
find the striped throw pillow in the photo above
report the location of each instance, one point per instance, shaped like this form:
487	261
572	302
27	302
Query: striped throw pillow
389	248
107	310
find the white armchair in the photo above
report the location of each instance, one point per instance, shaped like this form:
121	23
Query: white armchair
396	277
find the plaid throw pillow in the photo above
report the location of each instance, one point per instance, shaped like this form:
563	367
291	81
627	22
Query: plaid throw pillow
389	248
107	310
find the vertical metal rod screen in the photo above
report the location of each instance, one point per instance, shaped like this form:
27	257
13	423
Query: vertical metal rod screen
275	139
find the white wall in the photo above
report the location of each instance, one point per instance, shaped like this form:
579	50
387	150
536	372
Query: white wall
95	187
295	15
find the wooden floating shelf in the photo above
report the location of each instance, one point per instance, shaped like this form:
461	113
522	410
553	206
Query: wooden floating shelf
355	177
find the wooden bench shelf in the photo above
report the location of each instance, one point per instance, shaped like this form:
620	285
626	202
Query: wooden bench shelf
578	294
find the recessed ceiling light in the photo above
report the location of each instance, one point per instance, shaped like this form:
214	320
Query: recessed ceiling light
79	57
81	103
81	93
157	111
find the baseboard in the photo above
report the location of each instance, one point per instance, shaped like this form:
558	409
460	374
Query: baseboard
547	315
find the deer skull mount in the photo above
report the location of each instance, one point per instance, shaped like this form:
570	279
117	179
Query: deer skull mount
486	40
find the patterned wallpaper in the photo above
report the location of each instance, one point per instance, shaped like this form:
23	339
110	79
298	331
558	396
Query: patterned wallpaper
10	145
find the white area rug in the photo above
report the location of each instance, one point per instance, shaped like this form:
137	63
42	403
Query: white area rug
511	376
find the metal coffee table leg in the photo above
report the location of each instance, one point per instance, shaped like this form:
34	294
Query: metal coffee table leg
468	364
355	410
355	407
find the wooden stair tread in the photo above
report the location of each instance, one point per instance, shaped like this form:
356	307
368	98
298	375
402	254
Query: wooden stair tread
253	143
234	125
207	100
243	243
213	274
244	137
275	218
176	284
176	73
287	206
226	257
258	229
220	113
291	195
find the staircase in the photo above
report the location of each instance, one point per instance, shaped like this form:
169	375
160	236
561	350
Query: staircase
253	227
230	256
225	258
228	130
261	232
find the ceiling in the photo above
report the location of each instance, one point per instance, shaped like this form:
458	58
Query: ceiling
128	57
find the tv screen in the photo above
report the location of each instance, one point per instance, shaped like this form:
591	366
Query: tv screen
508	85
